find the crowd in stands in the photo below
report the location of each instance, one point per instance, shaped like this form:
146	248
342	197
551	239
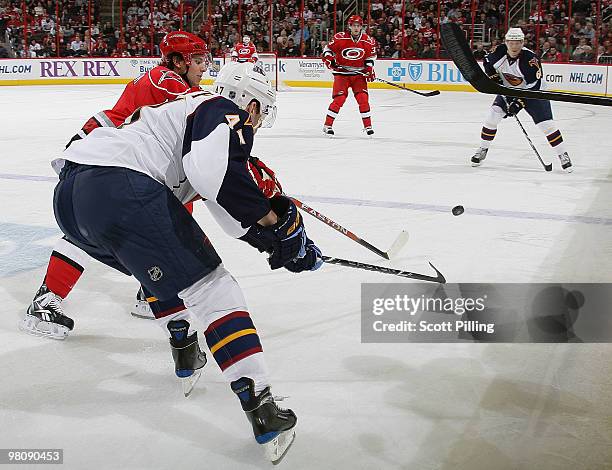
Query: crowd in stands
65	31
62	29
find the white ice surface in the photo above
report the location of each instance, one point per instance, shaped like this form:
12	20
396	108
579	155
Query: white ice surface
107	394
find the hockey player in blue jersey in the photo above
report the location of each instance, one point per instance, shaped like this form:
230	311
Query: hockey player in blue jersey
515	66
120	198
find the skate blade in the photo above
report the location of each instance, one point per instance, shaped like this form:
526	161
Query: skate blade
36	327
277	448
142	316
142	311
190	382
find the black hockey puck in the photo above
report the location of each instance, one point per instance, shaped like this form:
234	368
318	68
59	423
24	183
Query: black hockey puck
458	210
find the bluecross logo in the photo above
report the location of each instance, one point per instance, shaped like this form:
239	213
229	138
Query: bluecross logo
415	71
396	71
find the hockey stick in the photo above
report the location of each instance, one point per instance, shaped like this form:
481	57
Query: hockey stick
401	87
457	46
439	278
547	166
397	245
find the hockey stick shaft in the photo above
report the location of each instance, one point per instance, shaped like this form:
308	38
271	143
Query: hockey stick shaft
339	228
401	87
439	278
547	167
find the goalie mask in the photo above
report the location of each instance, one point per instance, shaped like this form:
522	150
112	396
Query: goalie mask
243	82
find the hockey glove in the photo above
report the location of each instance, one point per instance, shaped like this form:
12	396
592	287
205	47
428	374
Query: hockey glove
285	240
311	262
514	106
329	62
264	177
369	74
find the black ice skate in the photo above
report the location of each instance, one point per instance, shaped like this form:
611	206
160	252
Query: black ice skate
45	316
479	156
566	163
188	357
327	130
274	427
368	130
141	308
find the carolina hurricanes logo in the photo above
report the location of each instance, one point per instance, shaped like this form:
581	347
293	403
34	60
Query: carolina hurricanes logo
169	75
513	79
353	53
244	51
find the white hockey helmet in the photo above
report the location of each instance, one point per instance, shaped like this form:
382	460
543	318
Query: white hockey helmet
243	82
515	34
246	40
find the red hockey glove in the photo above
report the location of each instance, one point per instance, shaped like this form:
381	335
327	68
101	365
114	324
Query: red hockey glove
264	177
329	61
369	74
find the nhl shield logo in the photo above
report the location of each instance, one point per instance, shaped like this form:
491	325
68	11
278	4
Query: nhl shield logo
155	273
415	71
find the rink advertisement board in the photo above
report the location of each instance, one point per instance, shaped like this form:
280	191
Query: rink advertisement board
293	72
591	79
73	70
489	313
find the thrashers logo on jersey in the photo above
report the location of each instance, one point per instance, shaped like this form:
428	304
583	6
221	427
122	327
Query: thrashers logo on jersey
513	79
534	63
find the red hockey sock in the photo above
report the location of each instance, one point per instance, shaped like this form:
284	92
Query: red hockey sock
62	274
364	108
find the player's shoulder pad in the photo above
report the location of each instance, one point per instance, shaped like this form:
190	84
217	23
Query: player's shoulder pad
163	77
161	73
367	38
529	57
496	54
210	112
341	35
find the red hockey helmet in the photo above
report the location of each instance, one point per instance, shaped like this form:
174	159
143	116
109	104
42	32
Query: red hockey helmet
355	19
183	43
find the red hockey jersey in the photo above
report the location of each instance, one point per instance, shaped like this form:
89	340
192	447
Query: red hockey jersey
158	85
351	55
243	52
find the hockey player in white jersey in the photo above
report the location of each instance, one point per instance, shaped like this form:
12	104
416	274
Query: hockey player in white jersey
120	198
515	66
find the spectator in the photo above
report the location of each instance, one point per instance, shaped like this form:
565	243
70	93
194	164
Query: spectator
291	50
480	53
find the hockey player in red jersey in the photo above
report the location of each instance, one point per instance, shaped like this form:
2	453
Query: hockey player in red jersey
245	51
184	60
350	56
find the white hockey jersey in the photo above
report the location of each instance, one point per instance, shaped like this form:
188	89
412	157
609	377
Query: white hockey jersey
524	71
197	145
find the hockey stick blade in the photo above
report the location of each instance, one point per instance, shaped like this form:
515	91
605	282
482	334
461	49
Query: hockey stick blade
397	245
402	87
347	233
439	278
459	50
